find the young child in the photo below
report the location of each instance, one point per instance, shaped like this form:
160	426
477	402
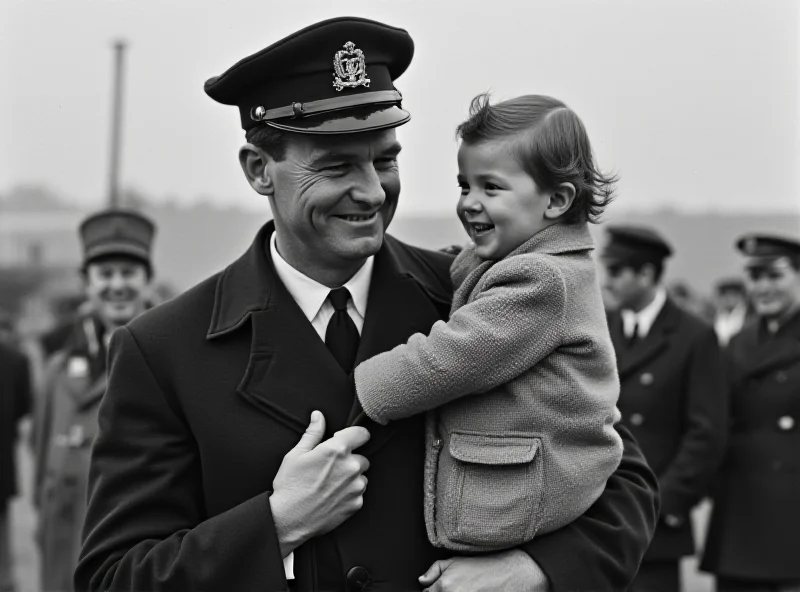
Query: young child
523	376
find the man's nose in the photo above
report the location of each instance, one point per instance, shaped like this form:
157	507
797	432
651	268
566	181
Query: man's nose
117	282
368	190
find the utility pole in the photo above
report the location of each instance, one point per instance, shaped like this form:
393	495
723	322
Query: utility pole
116	125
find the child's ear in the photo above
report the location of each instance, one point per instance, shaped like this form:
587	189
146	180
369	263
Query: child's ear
560	201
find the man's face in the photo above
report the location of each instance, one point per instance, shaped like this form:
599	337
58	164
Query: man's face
774	287
117	289
624	285
334	196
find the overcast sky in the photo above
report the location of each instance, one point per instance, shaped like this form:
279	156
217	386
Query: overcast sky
694	103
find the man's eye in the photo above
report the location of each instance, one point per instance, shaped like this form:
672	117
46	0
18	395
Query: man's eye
337	168
385	163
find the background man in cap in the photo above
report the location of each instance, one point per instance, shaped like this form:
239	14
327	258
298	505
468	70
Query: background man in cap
673	395
117	273
754	533
207	474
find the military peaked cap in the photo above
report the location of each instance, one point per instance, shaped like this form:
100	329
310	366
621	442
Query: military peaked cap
634	245
117	232
768	246
334	77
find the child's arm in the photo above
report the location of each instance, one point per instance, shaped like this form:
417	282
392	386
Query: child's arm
514	323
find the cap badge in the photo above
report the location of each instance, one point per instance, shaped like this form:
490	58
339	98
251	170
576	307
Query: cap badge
349	67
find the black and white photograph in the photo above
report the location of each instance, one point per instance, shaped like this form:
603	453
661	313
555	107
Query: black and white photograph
400	295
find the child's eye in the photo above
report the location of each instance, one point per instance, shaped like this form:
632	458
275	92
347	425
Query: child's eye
464	187
492	187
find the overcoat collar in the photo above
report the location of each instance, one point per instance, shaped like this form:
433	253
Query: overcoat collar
247	285
553	240
656	341
758	353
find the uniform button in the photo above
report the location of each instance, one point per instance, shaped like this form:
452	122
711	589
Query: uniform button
357	579
781	377
437	443
786	423
637	419
646	378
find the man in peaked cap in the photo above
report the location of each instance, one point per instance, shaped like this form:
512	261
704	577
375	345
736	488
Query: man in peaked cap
207	474
673	396
116	270
753	533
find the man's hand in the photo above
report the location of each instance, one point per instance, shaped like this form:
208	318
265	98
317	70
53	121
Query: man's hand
319	484
510	571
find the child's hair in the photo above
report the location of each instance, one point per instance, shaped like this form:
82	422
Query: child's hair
550	144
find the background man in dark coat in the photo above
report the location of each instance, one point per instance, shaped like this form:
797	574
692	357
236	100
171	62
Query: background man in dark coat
753	540
15	403
673	394
206	474
117	276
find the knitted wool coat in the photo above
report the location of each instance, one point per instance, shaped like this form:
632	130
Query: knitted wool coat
524	385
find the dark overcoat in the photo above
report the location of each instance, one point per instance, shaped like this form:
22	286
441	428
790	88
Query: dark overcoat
209	391
15	403
755	524
673	398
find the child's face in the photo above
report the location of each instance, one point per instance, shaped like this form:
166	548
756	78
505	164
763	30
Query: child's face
501	206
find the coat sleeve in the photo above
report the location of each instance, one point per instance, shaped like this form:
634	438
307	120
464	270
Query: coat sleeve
705	397
486	343
146	527
601	551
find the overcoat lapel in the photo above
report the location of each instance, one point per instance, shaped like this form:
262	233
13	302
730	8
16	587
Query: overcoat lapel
770	353
291	372
630	360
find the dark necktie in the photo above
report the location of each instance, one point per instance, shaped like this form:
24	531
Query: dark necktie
634	336
341	336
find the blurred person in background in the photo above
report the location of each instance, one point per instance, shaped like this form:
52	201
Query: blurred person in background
15	403
673	392
753	541
117	276
732	308
690	300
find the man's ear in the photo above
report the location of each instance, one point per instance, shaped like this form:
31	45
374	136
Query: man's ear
255	164
560	201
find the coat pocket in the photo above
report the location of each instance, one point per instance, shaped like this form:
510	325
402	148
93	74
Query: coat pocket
495	489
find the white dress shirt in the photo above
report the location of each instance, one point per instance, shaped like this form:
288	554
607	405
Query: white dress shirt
312	298
643	320
728	324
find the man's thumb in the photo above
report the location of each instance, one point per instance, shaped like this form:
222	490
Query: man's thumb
314	433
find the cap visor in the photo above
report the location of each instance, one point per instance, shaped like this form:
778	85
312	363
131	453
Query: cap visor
120	250
348	121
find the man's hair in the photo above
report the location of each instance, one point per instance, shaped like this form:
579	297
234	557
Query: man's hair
549	142
270	139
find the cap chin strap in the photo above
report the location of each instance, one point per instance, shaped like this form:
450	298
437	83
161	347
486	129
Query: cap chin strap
296	110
